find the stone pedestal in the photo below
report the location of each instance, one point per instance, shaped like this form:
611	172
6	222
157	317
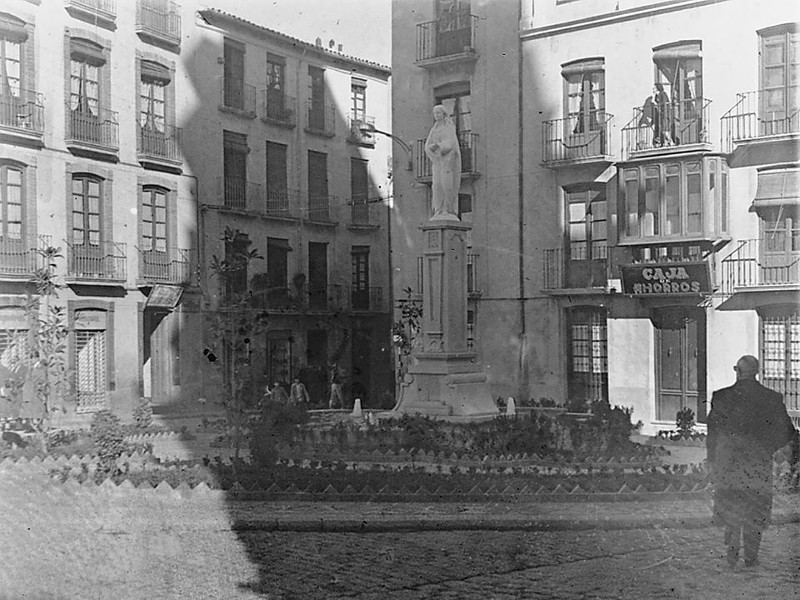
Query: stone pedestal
444	379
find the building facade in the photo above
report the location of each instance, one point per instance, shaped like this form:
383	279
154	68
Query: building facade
131	135
633	222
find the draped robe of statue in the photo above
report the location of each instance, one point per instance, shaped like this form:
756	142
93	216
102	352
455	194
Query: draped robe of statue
443	150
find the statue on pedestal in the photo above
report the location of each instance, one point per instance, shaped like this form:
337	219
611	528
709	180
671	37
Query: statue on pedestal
443	150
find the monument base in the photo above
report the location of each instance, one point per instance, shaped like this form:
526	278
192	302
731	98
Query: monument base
445	386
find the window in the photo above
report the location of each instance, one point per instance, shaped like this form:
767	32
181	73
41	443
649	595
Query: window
233	75
236	251
780	85
359	257
317	186
588	354
457	101
780	357
276	82
584	95
780	247
11	196
89	121
586	227
86	207
12	39
277	179
14	346
453	26
89	355
235	150
154	219
156	135
317	275
679	92
316	94
278	271
358	97
359	190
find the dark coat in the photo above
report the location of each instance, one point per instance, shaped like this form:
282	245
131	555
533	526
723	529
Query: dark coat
746	425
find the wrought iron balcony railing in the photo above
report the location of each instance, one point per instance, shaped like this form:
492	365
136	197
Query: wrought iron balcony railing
159	18
237	95
325	296
319	208
576	139
281	202
321	118
159	142
759	263
277	107
468	144
98	261
171	265
22	109
359	210
93	127
18	259
366	298
578	267
237	192
670	125
449	35
753	117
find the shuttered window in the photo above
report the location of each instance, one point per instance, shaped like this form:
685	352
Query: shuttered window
90	369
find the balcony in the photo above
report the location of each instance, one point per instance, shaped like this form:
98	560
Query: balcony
447	40
574	269
757	264
159	147
18	261
320	119
281	203
238	193
278	109
102	13
565	143
159	21
679	127
366	299
319	208
100	262
358	134
238	97
755	135
325	297
360	213
22	117
92	131
468	143
171	265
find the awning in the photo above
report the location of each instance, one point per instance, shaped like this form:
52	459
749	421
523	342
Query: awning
584	65
12	29
278	243
153	72
678	51
776	187
755	299
87	51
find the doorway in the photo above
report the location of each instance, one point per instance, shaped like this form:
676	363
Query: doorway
680	362
160	356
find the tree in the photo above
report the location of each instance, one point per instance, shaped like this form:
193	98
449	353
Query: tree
404	333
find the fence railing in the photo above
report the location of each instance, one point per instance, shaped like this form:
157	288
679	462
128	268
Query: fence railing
580	266
319	208
366	298
753	263
238	95
750	118
164	142
22	109
237	192
467	143
670	124
321	118
97	127
101	260
446	36
171	265
159	17
573	138
278	108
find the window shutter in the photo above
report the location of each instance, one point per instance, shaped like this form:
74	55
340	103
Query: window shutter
152	72
12	29
87	51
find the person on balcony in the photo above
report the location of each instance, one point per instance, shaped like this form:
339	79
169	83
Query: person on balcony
747	424
444	152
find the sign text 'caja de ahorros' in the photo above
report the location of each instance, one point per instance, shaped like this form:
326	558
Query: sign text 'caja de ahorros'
666	278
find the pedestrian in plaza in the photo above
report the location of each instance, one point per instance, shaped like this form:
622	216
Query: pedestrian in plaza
336	399
277	395
298	394
747	424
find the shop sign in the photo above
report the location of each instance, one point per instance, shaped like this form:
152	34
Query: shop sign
666	279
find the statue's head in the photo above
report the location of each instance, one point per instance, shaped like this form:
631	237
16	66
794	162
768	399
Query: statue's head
439	113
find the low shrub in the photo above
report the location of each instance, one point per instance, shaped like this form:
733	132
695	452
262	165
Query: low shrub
108	436
278	423
143	414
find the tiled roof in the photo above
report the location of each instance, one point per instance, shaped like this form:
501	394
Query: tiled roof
210	12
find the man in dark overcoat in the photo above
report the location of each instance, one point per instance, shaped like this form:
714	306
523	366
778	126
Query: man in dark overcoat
747	424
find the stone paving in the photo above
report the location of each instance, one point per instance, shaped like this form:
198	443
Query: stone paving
71	541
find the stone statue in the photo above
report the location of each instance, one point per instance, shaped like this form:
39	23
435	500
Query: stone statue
444	152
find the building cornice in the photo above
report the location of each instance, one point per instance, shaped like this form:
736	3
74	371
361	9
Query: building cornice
610	18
